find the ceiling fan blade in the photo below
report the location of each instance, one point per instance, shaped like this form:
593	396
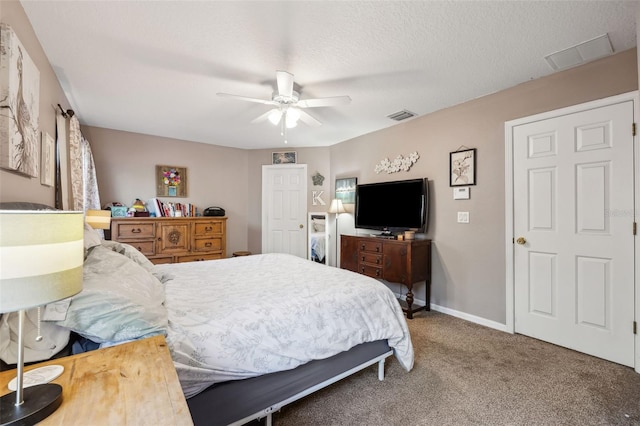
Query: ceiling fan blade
262	117
244	98
322	102
308	119
285	83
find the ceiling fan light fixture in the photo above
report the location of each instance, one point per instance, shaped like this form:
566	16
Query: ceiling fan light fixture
292	117
275	116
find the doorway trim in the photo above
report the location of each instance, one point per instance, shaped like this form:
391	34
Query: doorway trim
509	207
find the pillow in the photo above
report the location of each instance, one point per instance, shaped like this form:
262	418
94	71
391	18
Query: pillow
54	338
120	300
131	252
318	225
91	238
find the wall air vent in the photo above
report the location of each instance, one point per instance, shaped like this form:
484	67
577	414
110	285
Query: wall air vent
401	115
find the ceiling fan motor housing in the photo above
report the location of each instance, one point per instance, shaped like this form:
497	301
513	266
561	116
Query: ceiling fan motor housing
281	99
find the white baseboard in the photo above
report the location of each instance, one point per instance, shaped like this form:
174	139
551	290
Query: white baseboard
472	318
462	315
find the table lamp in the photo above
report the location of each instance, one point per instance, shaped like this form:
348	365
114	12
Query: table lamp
41	257
98	219
336	208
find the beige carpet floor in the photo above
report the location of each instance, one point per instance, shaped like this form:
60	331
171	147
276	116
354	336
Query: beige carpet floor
466	374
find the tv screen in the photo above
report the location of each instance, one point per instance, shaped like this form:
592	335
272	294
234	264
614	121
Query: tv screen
393	206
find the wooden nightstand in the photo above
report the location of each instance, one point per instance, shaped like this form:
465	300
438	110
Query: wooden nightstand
130	384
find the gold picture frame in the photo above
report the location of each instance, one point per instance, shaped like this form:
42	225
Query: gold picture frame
171	181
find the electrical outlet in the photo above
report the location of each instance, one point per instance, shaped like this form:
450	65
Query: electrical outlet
463	217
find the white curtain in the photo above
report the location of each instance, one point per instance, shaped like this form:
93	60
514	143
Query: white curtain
78	186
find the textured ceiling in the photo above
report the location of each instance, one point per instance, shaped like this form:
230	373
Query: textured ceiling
155	67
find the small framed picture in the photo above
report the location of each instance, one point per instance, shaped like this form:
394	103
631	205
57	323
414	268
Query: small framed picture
47	158
286	157
346	190
171	181
462	167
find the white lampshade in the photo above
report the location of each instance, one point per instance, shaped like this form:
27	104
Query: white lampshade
336	206
41	257
98	219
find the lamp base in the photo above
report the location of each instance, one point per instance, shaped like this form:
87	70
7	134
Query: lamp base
39	402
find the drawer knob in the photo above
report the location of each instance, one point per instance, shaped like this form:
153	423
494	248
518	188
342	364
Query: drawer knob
208	229
136	231
377	272
139	248
362	247
377	260
363	258
208	244
377	249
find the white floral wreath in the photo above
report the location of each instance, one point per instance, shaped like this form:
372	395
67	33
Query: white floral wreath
399	164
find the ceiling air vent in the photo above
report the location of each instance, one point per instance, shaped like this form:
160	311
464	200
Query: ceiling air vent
401	115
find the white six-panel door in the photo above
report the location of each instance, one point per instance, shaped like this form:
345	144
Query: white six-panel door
573	252
284	209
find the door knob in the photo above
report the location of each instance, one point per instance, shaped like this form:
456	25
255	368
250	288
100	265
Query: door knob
521	241
301	226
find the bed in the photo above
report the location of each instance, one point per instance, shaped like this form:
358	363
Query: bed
247	334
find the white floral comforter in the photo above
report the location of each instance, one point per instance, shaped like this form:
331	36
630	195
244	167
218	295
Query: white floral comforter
247	316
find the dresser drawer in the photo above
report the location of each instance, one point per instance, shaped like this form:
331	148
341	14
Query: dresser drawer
148	248
161	260
372	246
207	244
207	229
373	258
370	270
137	230
199	257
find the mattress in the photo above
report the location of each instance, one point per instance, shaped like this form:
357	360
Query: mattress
233	319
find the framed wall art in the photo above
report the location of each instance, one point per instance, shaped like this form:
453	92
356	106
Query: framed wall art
462	167
287	157
19	106
346	190
47	157
171	181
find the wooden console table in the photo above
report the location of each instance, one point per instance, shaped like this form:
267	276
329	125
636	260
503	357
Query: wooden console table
130	384
404	262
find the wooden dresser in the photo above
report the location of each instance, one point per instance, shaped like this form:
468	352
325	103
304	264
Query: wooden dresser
403	262
172	240
130	384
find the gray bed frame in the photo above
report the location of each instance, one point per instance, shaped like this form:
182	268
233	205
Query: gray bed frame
238	402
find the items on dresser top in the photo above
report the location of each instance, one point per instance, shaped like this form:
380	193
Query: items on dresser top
173	240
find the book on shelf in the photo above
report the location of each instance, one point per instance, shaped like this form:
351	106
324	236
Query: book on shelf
170	209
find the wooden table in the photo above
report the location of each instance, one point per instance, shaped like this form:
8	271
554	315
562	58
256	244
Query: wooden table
130	384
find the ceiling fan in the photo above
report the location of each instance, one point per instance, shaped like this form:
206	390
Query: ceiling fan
288	105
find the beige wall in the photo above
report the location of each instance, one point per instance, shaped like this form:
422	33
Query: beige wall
216	176
469	259
14	187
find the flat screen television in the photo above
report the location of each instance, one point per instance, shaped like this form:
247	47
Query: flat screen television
393	206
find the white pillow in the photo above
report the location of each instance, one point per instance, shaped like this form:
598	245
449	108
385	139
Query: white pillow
120	300
318	225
